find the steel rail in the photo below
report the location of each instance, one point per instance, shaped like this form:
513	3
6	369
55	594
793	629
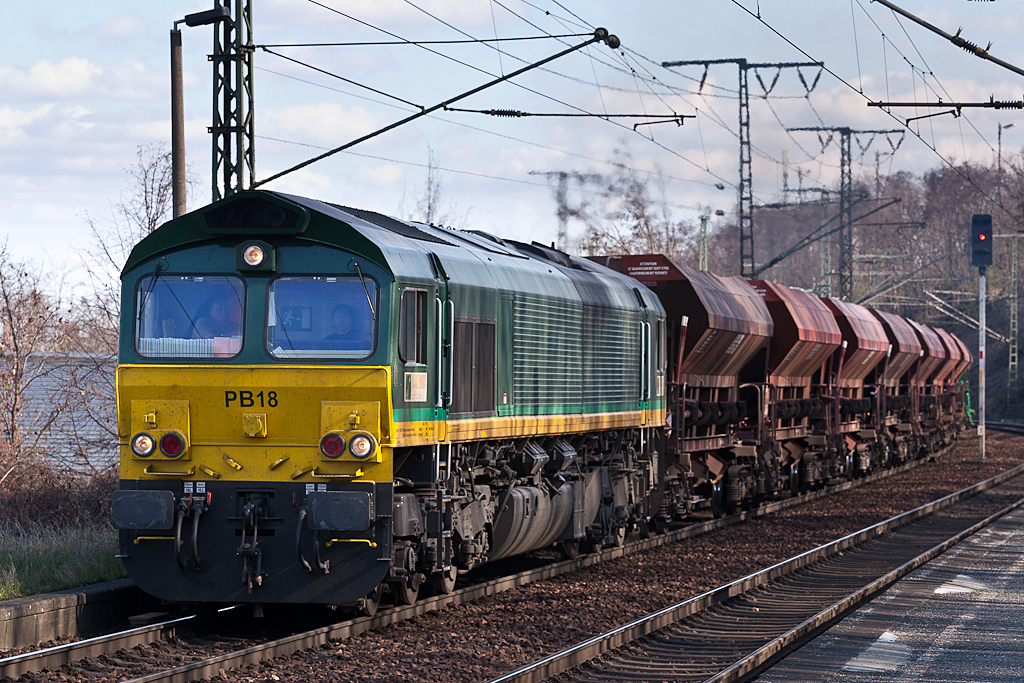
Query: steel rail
603	644
1007	427
805	631
56	656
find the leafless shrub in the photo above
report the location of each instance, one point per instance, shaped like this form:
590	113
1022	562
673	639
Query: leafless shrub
35	492
634	216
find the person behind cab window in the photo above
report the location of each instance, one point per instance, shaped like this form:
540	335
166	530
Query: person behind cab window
347	333
220	320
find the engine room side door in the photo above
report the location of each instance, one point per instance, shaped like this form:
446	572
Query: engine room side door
444	325
645	359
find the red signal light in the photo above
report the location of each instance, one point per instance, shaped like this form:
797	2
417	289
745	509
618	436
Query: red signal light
171	445
982	237
332	445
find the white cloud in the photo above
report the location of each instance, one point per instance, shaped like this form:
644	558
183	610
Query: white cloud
70	77
282	15
122	27
74	78
383	174
323	123
303	182
13	122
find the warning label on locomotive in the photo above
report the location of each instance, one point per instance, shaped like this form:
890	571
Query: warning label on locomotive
416	387
648	269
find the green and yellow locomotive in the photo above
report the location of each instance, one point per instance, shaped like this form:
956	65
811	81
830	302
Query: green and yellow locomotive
318	404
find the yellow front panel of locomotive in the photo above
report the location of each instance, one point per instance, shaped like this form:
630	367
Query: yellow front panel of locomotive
257	423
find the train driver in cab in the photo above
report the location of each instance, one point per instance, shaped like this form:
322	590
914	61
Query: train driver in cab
221	319
347	332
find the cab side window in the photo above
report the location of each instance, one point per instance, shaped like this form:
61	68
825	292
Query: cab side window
412	326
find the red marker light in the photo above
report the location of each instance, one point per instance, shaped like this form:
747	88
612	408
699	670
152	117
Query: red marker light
171	445
332	445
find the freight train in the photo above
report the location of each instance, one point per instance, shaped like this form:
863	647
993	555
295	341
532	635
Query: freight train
325	405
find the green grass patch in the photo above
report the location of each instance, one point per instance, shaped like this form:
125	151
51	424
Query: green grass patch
41	558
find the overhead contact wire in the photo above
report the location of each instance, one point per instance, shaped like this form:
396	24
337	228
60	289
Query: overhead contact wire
952	167
428	110
452	123
417	43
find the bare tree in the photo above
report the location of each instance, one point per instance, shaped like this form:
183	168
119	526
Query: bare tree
142	206
32	352
636	217
433	206
89	339
429	206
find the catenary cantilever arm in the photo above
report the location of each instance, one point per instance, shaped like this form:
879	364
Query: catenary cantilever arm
600	35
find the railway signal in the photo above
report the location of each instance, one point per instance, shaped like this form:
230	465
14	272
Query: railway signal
981	241
981	256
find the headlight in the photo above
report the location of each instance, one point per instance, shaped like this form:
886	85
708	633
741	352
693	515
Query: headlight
142	445
172	445
332	445
361	446
253	255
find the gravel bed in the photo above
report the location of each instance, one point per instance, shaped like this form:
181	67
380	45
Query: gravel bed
484	639
481	640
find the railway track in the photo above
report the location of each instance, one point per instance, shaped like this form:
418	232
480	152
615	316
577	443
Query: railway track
1008	427
53	658
735	631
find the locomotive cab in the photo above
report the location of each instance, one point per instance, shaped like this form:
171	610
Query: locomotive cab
254	412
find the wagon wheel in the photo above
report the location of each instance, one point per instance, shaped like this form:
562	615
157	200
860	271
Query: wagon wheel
570	549
658	526
371	603
717	499
408	592
443	582
794	479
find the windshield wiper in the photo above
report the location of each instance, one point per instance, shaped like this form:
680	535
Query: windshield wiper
145	297
365	290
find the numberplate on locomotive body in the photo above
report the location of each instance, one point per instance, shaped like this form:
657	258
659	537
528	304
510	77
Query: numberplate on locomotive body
249	398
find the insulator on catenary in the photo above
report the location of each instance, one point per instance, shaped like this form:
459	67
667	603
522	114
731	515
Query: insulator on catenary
505	112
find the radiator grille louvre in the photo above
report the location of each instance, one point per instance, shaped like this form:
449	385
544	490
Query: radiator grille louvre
566	354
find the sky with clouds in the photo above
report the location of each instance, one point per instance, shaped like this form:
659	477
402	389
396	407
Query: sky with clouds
83	85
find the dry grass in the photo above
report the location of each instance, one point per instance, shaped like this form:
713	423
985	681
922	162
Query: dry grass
44	558
54	528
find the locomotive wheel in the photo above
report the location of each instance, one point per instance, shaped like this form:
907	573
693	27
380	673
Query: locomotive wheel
408	592
371	603
443	582
570	549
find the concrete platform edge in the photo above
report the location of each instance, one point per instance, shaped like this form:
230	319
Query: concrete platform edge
80	612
